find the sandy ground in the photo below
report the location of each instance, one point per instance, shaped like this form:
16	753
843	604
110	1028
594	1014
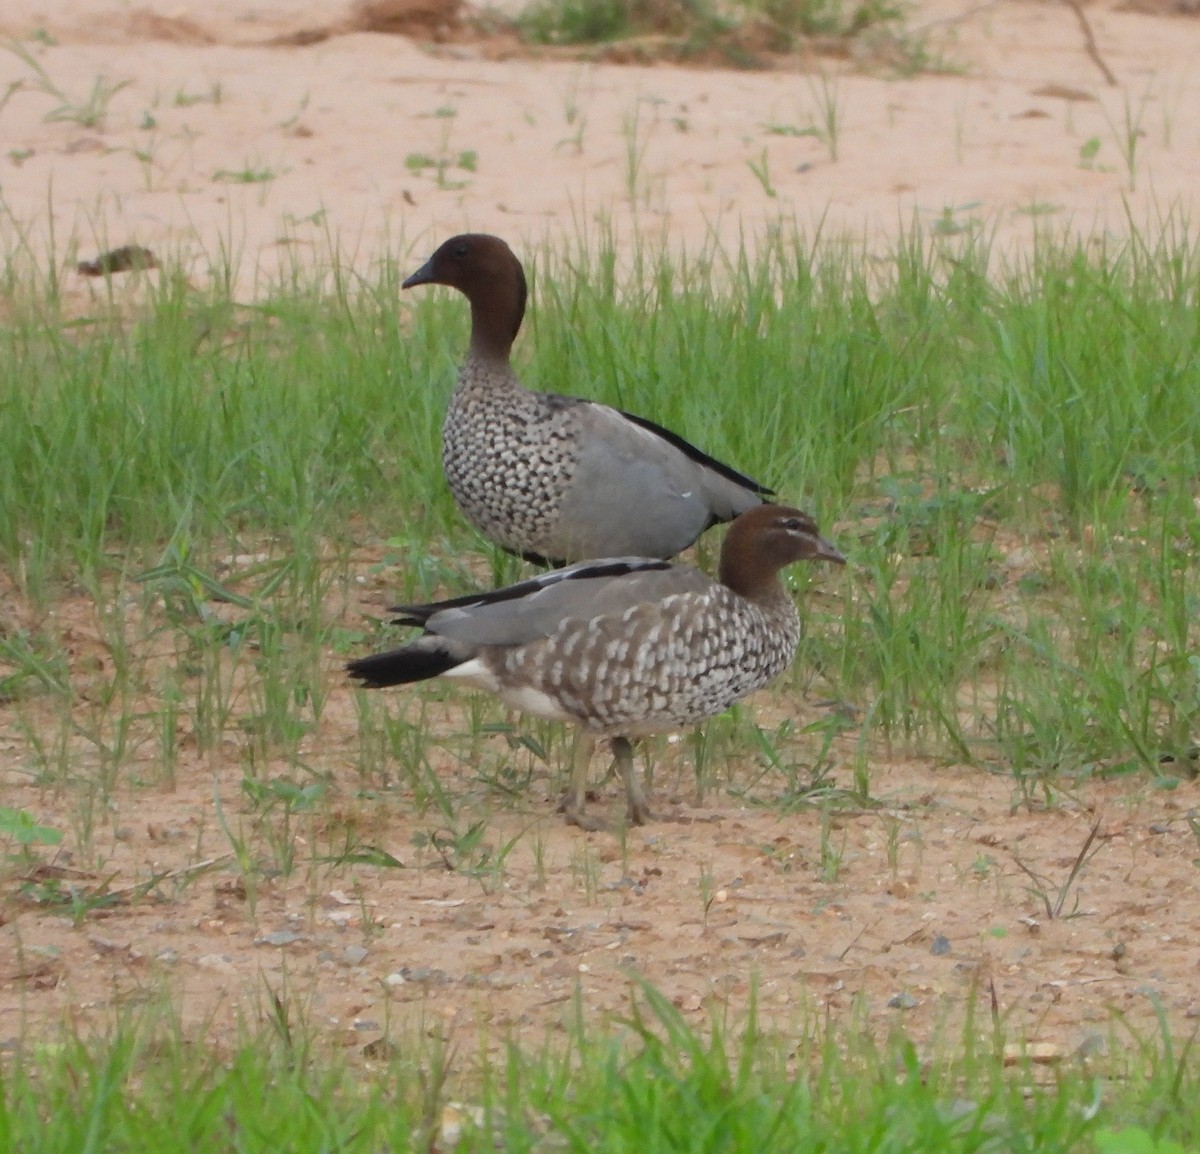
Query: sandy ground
1028	135
902	912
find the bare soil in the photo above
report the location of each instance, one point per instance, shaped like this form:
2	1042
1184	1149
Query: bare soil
907	910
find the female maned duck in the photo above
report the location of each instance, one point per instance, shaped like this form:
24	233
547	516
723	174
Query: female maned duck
555	478
622	647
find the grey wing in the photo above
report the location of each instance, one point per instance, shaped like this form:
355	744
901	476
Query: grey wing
637	491
517	621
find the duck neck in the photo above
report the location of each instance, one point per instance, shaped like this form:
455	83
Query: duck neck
489	345
750	581
495	322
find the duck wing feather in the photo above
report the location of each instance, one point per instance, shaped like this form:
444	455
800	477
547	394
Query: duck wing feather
533	609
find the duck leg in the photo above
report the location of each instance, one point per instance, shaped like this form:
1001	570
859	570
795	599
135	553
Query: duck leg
638	809
576	799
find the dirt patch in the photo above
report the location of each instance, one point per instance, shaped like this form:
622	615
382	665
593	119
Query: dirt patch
170	128
172	29
924	911
907	908
1187	8
436	21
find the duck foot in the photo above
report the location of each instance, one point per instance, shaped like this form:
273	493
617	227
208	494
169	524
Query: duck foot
637	808
577	795
639	812
575	816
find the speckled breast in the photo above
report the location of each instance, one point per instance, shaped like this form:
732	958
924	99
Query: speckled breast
508	457
660	666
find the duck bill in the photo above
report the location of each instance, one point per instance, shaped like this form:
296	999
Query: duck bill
423	275
826	551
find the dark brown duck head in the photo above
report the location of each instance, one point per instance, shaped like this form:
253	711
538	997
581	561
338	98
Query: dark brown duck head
485	270
762	541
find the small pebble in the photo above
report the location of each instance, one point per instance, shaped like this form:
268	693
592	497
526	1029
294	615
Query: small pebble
279	938
381	1049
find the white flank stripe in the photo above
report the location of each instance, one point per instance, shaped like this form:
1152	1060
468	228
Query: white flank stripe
534	702
476	673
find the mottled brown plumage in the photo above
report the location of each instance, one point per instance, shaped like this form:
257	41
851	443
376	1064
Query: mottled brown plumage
622	647
553	477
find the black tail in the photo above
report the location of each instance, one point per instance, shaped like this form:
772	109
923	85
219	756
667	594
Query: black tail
416	662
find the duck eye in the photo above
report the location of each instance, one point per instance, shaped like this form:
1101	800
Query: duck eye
460	250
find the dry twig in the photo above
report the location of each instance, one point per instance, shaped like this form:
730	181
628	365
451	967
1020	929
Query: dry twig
1089	41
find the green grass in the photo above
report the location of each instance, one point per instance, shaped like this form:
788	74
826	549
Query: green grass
1008	454
646	1082
87	112
746	33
